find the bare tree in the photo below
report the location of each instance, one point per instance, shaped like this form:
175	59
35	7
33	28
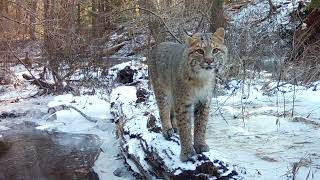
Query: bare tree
32	17
217	18
4	6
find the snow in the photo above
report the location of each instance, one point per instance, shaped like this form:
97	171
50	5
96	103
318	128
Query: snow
72	122
69	121
256	134
261	139
251	133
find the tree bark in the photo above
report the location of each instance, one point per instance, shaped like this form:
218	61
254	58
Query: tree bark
18	18
4	7
94	18
188	6
78	29
216	17
156	27
32	16
101	23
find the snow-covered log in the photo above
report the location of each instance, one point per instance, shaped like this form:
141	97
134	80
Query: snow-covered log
144	147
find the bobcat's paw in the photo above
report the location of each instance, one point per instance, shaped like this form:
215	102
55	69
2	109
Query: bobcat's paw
187	155
201	148
167	134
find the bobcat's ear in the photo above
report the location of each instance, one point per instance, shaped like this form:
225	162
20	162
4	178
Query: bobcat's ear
189	40
218	36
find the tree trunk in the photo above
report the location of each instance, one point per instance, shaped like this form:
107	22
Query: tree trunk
104	20
51	46
101	23
168	3
94	18
188	6
216	17
4	7
32	16
3	10
78	29
48	28
18	18
156	27
66	25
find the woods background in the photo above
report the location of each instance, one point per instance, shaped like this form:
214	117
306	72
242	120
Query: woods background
81	36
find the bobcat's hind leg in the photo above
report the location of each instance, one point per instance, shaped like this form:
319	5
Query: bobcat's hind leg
164	112
201	112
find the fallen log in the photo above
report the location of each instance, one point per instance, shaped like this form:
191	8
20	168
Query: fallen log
112	50
145	149
49	87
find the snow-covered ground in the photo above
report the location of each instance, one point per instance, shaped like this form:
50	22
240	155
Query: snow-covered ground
248	127
254	133
70	121
268	132
245	129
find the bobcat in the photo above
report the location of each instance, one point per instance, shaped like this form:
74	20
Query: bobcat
182	76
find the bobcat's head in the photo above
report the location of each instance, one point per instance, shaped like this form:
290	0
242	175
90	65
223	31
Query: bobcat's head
205	51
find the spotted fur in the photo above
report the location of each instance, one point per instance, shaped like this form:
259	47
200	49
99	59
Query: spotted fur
182	76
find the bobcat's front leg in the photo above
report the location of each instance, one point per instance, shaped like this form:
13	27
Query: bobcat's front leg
183	114
201	112
164	111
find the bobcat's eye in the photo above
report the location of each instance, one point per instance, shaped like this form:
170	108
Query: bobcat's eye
200	51
193	62
216	50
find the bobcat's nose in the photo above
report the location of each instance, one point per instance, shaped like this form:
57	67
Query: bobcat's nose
209	61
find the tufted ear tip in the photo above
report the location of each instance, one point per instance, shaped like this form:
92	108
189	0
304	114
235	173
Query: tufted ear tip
189	40
218	36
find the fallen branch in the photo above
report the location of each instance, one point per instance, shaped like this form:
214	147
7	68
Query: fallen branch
14	55
53	110
158	16
49	87
112	50
142	47
238	5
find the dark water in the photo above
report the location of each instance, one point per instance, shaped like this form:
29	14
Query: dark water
27	153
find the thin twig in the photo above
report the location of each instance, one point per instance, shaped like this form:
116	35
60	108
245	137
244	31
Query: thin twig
158	16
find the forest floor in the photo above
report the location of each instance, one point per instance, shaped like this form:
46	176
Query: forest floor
251	126
267	129
17	106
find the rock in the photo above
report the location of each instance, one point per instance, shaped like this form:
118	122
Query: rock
142	95
118	172
151	124
125	75
11	114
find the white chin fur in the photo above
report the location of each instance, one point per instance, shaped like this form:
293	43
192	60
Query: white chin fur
205	73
